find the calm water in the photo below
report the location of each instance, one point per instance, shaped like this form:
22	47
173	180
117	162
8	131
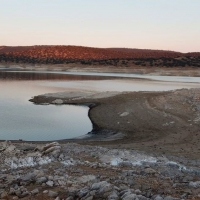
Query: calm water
21	119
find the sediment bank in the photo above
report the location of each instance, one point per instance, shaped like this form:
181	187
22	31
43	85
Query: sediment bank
161	122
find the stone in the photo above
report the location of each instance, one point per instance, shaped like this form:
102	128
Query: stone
149	171
86	179
41	180
140	197
61	182
12	191
4	195
52	194
35	191
97	186
58	101
138	192
168	198
82	193
23	194
28	177
124	114
113	196
125	164
158	197
89	198
38	173
50	183
130	197
194	184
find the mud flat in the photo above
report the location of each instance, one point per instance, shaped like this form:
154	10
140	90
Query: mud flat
158	122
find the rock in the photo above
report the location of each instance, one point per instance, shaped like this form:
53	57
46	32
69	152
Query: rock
4	195
97	186
50	183
105	189
158	197
140	197
23	194
50	178
41	180
82	193
125	164
61	182
89	198
113	196
52	194
149	171
38	173
124	114
58	101
28	177
168	198
12	191
53	148
194	184
130	197
56	153
35	191
86	179
138	192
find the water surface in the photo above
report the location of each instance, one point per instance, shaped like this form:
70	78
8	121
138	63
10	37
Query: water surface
21	119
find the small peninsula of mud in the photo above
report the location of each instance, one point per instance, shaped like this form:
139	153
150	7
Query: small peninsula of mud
158	122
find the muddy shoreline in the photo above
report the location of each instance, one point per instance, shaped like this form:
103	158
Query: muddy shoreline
161	122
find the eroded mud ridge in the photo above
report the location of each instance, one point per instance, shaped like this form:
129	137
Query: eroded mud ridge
73	171
157	122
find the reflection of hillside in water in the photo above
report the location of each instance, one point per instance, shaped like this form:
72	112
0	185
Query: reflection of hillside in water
46	76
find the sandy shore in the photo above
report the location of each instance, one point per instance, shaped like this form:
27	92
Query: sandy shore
158	122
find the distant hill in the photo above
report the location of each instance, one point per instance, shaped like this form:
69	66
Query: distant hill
97	56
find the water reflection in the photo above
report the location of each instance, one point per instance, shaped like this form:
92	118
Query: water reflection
17	75
21	119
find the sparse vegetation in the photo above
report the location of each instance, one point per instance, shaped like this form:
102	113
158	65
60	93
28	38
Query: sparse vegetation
98	56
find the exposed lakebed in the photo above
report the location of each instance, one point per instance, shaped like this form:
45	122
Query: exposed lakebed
21	119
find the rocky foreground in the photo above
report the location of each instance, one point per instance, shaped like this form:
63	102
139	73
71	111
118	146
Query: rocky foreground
72	171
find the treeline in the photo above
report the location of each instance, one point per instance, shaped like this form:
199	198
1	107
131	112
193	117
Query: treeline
187	61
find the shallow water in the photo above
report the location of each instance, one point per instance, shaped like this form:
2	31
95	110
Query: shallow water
21	119
99	75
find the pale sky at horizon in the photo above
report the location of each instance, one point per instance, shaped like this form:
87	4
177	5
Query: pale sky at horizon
147	24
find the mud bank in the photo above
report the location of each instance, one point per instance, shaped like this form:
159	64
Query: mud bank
159	122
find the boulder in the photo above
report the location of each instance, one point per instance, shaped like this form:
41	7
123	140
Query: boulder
52	194
57	101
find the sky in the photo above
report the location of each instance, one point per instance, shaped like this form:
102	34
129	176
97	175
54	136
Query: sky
145	24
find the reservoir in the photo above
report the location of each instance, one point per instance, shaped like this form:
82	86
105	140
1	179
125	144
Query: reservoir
21	119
